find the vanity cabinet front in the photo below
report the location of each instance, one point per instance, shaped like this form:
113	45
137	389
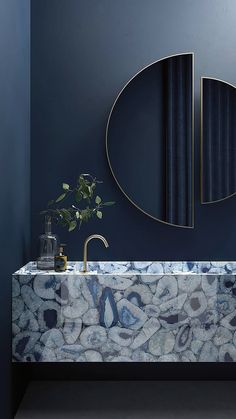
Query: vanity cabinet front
125	312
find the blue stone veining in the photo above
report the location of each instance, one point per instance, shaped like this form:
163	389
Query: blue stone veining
108	309
125	312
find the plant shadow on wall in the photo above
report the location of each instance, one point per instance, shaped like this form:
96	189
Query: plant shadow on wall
83	203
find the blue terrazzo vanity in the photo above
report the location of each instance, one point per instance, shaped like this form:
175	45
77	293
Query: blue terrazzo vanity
125	312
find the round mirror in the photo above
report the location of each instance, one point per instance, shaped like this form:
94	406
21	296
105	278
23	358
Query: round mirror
149	140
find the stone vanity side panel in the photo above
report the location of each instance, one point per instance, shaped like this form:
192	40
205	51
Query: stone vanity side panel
140	318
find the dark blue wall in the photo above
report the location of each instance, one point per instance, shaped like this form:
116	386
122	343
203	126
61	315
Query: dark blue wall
83	52
14	168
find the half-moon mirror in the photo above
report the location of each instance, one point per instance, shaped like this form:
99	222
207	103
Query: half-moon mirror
218	140
149	140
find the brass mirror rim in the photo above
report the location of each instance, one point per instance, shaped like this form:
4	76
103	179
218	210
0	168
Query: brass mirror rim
201	139
107	128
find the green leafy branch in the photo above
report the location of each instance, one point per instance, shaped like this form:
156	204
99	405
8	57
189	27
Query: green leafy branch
84	203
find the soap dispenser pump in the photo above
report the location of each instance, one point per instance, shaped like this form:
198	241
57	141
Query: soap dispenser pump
60	260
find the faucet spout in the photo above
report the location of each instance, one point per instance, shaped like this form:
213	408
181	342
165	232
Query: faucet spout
93	236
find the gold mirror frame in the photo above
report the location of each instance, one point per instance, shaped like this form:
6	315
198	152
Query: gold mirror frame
106	140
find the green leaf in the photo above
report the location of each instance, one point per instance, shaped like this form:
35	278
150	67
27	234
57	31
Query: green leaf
109	203
65	214
85	214
85	191
99	214
61	197
90	189
78	196
77	214
72	225
98	200
81	180
65	186
85	175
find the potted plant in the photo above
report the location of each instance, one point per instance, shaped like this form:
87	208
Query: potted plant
82	203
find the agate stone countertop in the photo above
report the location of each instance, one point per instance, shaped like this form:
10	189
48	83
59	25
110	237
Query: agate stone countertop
133	268
125	312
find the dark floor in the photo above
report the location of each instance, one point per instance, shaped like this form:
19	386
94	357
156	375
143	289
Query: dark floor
129	400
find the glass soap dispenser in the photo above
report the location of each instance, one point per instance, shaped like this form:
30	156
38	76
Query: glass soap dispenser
60	260
48	247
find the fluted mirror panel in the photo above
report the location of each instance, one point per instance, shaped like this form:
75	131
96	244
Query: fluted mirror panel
150	140
218	140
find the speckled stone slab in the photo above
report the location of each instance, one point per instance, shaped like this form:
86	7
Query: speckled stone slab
125	312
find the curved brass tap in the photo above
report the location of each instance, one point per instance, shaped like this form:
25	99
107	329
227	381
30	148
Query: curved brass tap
94	236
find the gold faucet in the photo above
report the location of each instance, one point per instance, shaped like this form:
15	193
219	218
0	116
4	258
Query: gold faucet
94	236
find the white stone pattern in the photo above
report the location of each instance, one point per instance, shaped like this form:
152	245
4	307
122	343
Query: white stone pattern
125	312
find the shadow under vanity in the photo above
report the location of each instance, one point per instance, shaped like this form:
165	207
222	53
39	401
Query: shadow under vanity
126	312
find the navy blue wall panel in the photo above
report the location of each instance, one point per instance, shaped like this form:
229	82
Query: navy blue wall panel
14	168
83	52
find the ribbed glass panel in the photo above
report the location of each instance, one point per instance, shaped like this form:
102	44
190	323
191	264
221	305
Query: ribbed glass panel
179	140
